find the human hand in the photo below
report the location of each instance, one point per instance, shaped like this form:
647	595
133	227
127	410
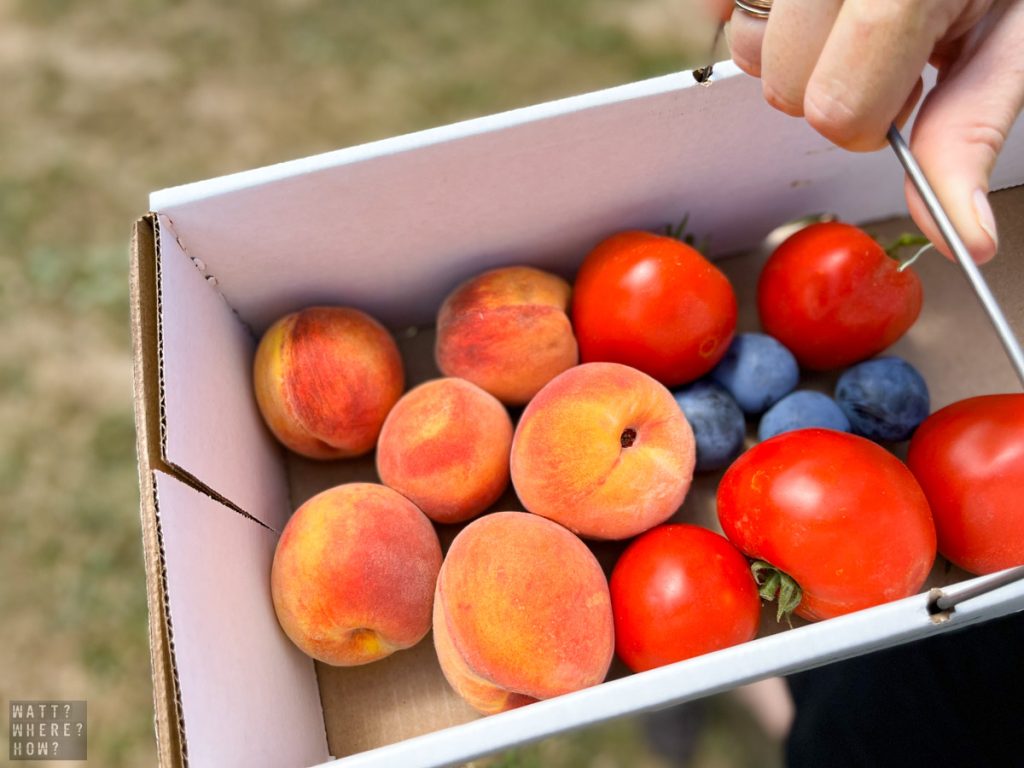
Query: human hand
852	68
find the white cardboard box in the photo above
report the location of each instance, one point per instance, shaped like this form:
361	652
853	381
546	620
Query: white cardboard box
391	227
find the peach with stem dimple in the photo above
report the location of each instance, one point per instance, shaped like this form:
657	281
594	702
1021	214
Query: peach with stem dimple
604	450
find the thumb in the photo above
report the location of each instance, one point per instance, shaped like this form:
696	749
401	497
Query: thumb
962	127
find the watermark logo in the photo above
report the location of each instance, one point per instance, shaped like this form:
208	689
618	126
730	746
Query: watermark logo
48	730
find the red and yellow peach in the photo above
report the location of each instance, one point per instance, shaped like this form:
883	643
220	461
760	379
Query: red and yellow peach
445	446
325	379
354	574
604	450
507	331
522	612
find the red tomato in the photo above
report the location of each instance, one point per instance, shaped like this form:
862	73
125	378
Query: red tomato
837	513
679	591
834	297
653	303
969	459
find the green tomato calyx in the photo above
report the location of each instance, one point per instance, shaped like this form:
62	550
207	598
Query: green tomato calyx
680	232
774	584
907	240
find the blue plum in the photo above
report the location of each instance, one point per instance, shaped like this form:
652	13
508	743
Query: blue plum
757	371
884	398
718	423
800	410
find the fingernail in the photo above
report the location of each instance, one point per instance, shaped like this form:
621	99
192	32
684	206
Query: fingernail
983	213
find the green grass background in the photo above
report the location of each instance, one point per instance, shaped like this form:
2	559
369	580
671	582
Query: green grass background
106	100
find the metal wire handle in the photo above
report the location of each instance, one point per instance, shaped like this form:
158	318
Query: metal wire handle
956	245
945	600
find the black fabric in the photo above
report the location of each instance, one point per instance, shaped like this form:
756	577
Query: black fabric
952	700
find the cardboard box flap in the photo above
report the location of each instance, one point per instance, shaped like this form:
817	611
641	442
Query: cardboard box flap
211	429
248	696
390	227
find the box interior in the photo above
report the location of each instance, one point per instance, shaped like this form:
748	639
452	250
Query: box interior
391	229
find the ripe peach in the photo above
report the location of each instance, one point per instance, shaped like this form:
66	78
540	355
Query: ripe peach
445	446
325	379
354	574
604	450
521	612
507	331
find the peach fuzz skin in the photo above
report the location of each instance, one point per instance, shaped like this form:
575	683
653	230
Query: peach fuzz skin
445	446
354	574
522	612
508	332
605	451
325	379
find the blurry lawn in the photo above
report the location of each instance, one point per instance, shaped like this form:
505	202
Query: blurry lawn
104	101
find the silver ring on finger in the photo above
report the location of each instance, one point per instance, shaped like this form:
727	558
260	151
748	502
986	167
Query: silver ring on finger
757	8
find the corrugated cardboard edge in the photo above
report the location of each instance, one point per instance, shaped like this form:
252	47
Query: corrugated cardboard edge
170	738
158	432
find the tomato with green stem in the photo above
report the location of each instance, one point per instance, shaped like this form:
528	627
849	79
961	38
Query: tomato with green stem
834	522
833	296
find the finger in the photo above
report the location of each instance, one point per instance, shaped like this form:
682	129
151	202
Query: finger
745	34
869	65
908	106
961	129
793	41
719	9
950	47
